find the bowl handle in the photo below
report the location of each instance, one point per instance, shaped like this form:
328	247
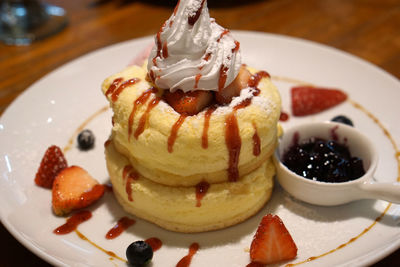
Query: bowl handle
384	191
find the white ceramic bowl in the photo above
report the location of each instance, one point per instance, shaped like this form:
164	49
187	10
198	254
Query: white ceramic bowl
330	194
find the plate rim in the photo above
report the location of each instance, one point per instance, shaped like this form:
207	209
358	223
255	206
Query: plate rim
384	250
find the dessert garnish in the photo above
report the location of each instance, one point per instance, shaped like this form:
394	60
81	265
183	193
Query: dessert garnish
139	253
272	242
154	242
52	163
86	139
307	100
73	222
185	261
122	224
193	52
74	188
192	120
323	160
343	119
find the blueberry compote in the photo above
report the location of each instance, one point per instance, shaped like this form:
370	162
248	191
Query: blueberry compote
323	160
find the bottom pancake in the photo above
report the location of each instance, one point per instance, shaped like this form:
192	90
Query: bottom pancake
179	208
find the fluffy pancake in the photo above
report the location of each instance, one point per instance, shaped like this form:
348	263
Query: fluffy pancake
175	208
186	162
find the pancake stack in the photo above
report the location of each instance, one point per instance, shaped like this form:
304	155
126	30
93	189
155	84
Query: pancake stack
177	171
193	128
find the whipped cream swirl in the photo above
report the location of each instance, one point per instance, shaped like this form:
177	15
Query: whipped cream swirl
193	52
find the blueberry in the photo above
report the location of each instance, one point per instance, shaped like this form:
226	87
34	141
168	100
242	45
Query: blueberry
86	140
139	253
343	119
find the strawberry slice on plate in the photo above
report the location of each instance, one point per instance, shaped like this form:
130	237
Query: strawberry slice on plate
189	103
52	163
74	188
307	100
272	242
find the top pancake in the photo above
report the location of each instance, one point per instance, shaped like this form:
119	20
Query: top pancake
184	161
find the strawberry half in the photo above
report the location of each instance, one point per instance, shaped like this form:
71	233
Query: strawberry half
189	103
74	188
308	100
52	163
225	95
272	242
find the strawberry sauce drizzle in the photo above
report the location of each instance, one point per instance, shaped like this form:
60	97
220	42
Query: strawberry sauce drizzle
192	19
107	143
185	261
113	86
197	79
256	142
207	117
174	132
116	93
139	101
165	50
284	116
232	135
233	143
154	243
222	77
256	78
73	222
122	224
236	48
225	32
143	120
201	191
130	175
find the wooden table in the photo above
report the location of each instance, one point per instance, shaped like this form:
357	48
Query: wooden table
367	29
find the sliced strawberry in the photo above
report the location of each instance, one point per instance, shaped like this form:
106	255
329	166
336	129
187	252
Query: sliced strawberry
189	103
308	100
225	95
74	188
52	163
272	242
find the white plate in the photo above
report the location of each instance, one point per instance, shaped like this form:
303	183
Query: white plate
51	110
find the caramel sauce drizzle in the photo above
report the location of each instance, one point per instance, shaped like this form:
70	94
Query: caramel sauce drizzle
81	127
174	132
109	253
